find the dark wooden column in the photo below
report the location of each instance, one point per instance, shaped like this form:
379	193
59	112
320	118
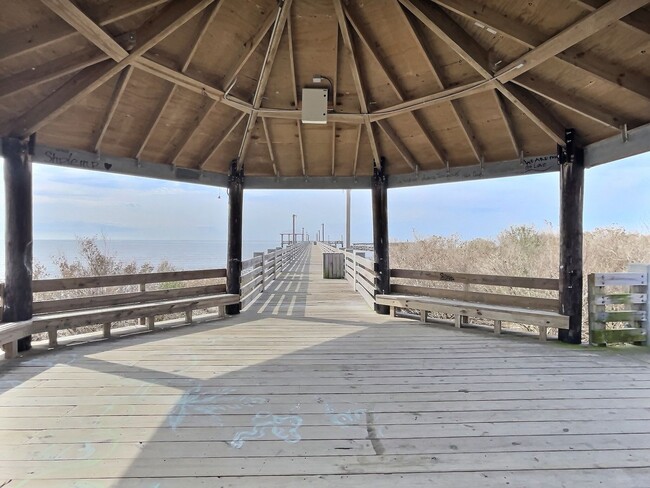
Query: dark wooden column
572	177
235	214
18	300
380	233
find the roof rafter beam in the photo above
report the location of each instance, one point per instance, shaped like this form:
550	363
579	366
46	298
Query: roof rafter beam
17	44
118	91
399	144
253	44
469	50
507	120
294	88
356	76
219	142
151	33
160	109
269	145
50	71
399	92
274	43
526	35
199	119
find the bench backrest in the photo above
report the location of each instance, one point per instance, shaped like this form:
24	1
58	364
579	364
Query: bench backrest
173	286
501	296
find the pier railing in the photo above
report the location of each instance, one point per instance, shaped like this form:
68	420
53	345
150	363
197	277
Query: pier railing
359	272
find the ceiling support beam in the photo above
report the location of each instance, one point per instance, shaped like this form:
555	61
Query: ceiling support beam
356	152
528	36
438	151
507	121
171	18
572	35
638	21
356	76
118	91
158	113
399	144
267	65
220	140
471	52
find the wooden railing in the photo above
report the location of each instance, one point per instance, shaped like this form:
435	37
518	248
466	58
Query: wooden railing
359	272
263	268
619	298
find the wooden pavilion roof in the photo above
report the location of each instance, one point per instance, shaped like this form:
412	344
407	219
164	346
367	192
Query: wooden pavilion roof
430	87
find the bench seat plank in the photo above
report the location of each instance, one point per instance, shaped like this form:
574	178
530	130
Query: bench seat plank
79	318
540	318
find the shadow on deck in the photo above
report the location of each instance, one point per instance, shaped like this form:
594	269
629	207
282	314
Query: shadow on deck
308	387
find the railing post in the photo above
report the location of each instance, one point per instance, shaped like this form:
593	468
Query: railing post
261	256
354	270
572	171
18	294
235	215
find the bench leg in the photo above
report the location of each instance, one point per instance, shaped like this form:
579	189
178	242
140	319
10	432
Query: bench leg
188	316
393	311
497	327
423	316
107	330
460	320
542	333
52	334
151	322
221	311
11	350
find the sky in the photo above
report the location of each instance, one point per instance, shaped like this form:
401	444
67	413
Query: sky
73	202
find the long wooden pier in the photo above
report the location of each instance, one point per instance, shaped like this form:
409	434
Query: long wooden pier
309	387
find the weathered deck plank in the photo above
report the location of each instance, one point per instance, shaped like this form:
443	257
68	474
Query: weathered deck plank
309	387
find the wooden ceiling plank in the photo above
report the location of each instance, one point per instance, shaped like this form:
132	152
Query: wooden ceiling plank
572	35
17	44
156	119
50	71
171	18
534	110
397	89
528	36
399	145
507	120
118	91
267	66
218	143
441	24
356	77
253	44
269	145
638	21
205	24
192	129
572	102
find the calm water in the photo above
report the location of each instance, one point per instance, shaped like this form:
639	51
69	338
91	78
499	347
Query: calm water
183	255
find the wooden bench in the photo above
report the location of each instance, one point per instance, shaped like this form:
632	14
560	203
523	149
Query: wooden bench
68	313
464	303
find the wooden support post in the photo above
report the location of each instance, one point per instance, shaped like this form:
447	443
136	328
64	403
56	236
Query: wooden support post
107	330
188	316
235	214
423	316
497	327
143	288
380	234
52	336
18	296
542	333
571	160
151	322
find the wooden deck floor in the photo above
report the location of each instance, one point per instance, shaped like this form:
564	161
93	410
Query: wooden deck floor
310	388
